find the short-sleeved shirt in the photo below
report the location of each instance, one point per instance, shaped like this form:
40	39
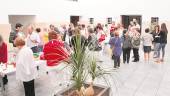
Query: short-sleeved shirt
147	39
33	36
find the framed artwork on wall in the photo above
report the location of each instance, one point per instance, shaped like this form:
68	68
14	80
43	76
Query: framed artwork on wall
109	20
91	20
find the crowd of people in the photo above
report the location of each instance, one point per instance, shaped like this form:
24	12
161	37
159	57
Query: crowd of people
61	40
121	40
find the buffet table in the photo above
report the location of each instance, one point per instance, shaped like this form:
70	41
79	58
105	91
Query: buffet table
40	65
5	71
10	69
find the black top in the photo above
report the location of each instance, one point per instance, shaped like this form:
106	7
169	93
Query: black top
75	40
12	37
156	37
163	37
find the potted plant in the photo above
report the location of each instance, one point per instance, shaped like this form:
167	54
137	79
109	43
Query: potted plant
83	65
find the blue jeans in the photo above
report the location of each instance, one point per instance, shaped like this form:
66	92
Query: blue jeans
156	49
162	46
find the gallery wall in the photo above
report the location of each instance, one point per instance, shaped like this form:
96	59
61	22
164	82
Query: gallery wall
59	11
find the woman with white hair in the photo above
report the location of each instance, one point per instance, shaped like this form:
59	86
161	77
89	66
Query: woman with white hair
115	44
25	67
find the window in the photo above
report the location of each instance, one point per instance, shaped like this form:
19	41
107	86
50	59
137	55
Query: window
73	0
154	20
109	20
91	20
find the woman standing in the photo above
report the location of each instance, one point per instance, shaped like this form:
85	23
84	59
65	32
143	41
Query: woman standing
25	67
147	39
115	43
3	51
3	57
156	41
135	41
126	47
55	50
163	41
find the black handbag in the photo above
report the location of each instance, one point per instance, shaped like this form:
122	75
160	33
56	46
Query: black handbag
98	48
113	57
5	80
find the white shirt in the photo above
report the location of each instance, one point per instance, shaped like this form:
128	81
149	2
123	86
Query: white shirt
84	33
25	67
33	37
147	39
137	26
21	34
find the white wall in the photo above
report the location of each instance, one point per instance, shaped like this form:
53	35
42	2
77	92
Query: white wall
46	10
147	8
60	10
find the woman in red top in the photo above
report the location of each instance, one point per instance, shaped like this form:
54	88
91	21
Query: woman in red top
55	50
3	51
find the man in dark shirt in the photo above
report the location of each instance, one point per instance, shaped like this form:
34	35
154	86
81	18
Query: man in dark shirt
13	34
78	41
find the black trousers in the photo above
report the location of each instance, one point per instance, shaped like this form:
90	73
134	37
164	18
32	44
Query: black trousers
29	88
136	54
116	61
35	49
126	55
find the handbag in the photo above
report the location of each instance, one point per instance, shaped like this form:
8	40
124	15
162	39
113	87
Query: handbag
98	48
5	80
113	56
102	37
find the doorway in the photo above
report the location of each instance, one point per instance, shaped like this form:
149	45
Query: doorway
74	20
127	18
25	20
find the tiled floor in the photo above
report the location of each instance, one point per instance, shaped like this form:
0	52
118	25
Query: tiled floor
134	79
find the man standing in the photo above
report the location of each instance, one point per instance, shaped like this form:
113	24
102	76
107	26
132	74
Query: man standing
33	39
15	33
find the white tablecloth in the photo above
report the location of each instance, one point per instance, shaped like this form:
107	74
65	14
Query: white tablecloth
10	69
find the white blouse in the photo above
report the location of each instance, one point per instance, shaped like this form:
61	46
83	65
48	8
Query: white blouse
25	67
34	36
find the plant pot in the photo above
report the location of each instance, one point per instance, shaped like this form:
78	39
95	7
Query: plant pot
90	90
99	90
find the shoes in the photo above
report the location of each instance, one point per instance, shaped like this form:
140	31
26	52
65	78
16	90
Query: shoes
114	68
157	61
162	60
135	61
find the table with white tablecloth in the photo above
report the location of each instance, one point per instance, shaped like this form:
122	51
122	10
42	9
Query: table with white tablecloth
10	69
43	69
5	71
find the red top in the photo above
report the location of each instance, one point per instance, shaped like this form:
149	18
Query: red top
3	53
55	52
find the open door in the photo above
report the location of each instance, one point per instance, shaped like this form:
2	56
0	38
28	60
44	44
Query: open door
25	20
154	22
74	20
127	18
